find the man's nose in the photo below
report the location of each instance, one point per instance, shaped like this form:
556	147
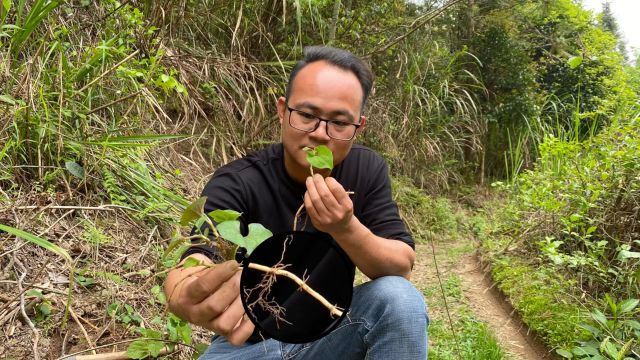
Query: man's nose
320	134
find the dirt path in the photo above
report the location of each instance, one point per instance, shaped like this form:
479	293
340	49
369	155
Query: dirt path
489	306
481	296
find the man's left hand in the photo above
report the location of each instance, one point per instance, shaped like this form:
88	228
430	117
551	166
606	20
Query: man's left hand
328	204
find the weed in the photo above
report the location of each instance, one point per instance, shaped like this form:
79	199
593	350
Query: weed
540	296
611	336
427	218
473	338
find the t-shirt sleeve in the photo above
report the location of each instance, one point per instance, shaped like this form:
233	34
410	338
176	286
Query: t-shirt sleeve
380	213
224	192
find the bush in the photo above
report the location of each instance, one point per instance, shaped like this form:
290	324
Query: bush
579	207
426	217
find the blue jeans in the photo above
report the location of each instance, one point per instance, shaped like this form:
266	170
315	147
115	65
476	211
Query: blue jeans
387	320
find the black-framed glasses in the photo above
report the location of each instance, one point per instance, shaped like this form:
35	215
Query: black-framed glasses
336	129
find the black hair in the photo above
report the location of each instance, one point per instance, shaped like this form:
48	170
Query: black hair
340	58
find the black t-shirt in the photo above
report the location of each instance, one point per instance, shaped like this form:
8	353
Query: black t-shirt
259	187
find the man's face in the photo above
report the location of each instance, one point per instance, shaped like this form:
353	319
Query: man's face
326	91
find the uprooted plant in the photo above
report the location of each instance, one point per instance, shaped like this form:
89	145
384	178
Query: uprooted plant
221	229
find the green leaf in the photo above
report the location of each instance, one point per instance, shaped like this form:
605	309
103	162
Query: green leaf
172	245
6	4
191	262
45	309
609	348
320	157
585	350
598	316
564	353
38	241
75	169
150	333
257	234
141	349
7	99
632	324
138	350
200	349
224	215
628	305
625	254
184	332
230	230
574	61
33	293
193	211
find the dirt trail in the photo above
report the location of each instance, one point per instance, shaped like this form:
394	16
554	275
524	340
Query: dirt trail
490	306
483	298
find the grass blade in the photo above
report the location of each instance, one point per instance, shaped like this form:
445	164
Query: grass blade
38	241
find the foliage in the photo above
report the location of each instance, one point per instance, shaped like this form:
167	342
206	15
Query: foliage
230	231
100	100
38	241
319	157
472	340
540	297
567	237
609	337
580	199
427	218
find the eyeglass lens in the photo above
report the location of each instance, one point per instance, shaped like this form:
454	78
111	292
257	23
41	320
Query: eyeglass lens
335	129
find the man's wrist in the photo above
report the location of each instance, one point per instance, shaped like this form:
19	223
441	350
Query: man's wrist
353	230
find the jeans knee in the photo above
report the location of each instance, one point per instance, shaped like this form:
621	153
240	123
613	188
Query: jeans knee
396	296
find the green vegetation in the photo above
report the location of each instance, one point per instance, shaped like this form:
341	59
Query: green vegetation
427	217
472	340
570	242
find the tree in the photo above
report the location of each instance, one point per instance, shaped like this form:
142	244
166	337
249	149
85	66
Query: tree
609	23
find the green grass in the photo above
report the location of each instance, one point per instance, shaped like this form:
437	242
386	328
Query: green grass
544	298
426	217
473	339
438	219
541	296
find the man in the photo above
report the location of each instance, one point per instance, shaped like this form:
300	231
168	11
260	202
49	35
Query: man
325	98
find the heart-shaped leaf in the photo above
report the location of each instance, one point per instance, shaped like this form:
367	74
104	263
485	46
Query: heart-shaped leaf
224	215
230	230
193	211
320	157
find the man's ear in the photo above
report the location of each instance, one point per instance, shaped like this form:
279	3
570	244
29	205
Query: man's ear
363	123
281	106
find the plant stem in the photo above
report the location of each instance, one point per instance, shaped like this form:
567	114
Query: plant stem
335	311
296	216
213	228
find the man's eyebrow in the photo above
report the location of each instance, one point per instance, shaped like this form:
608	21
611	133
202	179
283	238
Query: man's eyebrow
316	109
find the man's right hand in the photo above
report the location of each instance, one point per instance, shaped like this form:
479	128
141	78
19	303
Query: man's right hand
210	297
